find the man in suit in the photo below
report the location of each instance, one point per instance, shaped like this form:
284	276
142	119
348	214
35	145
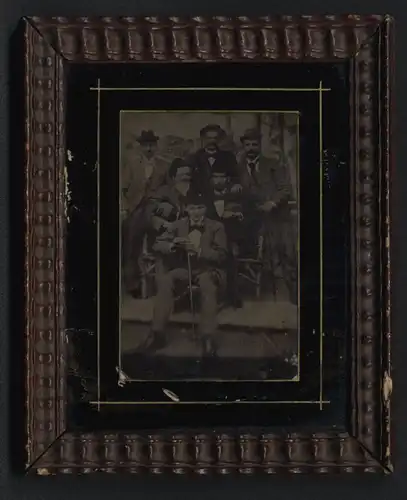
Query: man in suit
167	204
193	249
142	174
266	187
210	156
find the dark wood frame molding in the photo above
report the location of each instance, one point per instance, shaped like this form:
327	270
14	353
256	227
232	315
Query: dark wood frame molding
50	45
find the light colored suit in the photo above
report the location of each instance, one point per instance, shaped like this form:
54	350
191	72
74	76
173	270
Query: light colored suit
207	271
140	177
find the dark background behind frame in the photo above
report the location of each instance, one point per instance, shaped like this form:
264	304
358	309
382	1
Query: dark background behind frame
12	487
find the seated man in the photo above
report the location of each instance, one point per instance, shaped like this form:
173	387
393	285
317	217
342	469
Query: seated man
192	250
239	213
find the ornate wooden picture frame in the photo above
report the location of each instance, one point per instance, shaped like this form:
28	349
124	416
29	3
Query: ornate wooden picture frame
56	50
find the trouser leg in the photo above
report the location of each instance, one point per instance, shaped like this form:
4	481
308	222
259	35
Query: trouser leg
208	290
164	300
134	228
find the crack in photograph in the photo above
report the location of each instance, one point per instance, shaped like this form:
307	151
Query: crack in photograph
209	245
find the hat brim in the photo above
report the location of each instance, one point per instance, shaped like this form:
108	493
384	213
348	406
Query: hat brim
140	139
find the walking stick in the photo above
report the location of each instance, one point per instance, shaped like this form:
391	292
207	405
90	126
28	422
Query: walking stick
191	298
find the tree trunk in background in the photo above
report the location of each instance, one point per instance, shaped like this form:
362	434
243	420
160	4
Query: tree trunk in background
270	135
290	149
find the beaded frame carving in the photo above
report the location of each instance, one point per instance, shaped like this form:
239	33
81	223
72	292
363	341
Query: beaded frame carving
50	44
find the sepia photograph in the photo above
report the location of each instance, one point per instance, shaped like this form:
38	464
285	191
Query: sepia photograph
209	251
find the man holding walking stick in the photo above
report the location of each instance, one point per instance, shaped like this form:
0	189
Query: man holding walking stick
192	251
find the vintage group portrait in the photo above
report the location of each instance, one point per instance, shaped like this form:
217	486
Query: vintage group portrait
209	244
205	268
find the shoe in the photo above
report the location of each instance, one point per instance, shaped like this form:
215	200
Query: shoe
154	342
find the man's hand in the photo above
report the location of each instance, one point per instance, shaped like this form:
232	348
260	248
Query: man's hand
268	206
236	188
191	248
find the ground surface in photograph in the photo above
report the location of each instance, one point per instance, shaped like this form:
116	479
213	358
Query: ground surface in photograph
256	342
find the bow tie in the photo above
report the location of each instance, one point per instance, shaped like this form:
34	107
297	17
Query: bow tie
252	164
198	225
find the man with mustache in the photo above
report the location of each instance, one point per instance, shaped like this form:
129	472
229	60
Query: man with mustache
267	189
210	156
142	174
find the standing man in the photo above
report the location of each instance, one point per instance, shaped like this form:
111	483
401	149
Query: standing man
265	183
192	250
210	156
142	174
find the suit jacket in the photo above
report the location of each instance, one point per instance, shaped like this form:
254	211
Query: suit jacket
271	182
136	188
213	246
232	202
202	169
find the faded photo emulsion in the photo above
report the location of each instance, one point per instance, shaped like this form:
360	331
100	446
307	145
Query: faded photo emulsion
209	245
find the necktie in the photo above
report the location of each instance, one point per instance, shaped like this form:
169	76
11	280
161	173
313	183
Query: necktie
252	166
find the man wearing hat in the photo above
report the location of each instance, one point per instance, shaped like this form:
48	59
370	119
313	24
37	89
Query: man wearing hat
267	189
209	156
192	250
142	174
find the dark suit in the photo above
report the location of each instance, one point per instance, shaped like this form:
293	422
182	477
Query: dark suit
207	271
218	205
270	182
202	168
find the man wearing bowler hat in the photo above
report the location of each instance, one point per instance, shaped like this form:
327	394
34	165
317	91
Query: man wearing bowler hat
267	188
142	174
